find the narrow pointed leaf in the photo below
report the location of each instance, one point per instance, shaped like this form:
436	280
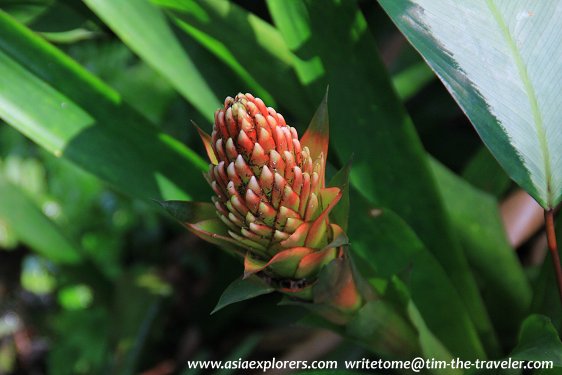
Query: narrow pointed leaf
143	27
241	290
500	61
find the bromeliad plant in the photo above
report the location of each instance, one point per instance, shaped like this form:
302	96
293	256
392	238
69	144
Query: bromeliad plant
272	207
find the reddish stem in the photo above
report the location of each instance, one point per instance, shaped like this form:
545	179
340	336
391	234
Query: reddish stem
551	239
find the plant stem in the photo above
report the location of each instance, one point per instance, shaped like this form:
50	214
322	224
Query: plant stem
551	239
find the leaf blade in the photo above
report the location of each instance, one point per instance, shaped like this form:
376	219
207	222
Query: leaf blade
143	27
95	130
501	75
538	340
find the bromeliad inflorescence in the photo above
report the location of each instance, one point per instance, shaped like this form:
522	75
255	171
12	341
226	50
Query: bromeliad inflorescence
271	205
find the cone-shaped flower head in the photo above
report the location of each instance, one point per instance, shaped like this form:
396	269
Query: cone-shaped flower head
270	190
272	208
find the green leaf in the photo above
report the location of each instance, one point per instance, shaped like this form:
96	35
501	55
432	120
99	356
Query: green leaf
143	27
369	121
499	60
72	114
33	228
476	218
241	290
384	330
250	46
431	346
387	246
538	341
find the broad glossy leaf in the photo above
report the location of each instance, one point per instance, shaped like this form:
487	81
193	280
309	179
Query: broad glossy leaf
143	27
500	59
59	105
475	217
33	228
368	120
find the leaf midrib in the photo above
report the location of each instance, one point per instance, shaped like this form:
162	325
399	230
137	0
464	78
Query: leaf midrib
531	95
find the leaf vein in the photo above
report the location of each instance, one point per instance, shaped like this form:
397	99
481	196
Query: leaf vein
531	94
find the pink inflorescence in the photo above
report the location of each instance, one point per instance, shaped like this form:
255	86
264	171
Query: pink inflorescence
266	185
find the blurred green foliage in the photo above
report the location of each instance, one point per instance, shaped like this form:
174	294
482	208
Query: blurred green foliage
96	99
